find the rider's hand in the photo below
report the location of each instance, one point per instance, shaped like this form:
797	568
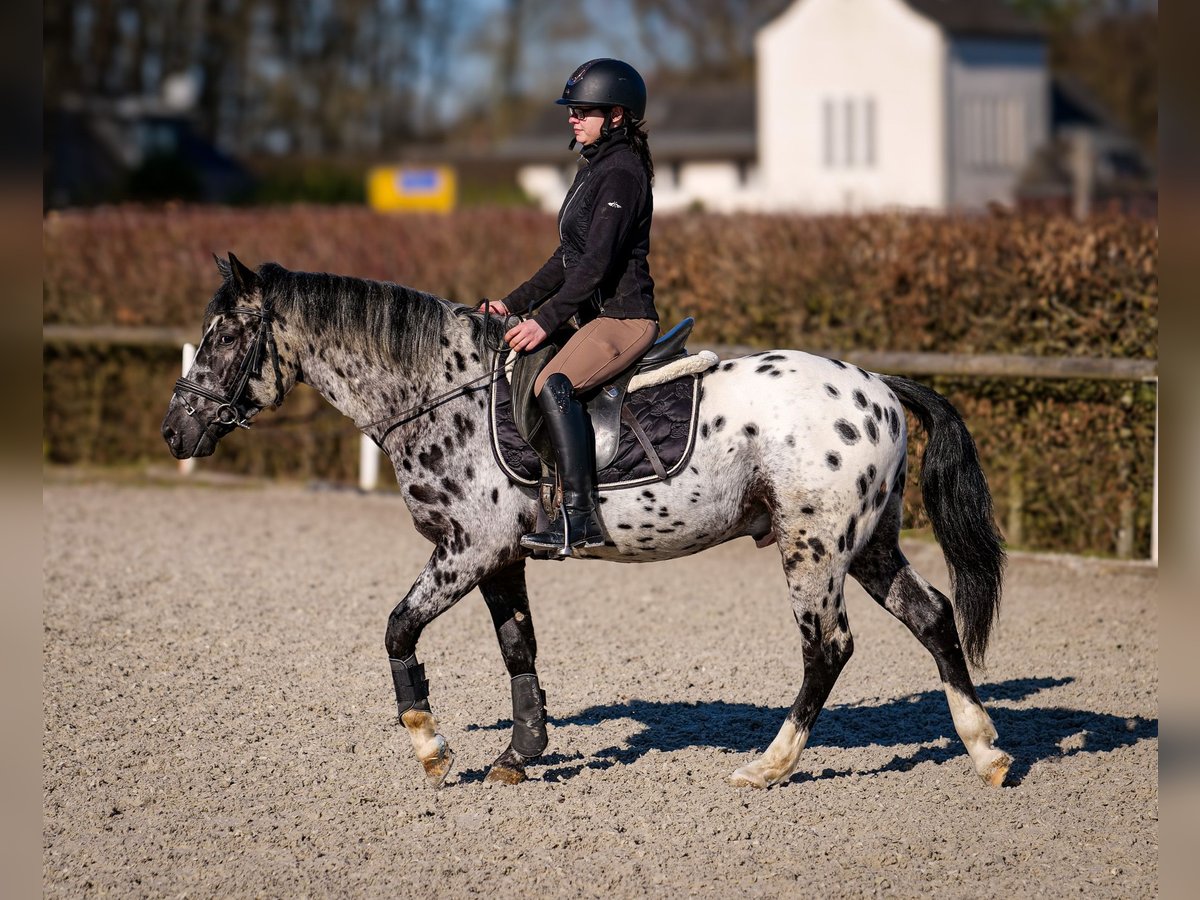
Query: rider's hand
526	336
495	307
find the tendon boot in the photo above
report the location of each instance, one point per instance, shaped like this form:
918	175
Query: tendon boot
566	423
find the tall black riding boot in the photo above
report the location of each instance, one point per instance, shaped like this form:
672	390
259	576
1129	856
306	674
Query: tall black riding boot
566	422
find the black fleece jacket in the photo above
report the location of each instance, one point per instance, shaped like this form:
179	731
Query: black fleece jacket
600	267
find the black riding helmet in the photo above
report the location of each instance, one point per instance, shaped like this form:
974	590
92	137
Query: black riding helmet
606	83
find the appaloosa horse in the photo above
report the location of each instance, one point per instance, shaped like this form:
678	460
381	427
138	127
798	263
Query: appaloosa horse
799	449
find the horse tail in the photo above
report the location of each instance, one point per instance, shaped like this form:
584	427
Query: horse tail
959	504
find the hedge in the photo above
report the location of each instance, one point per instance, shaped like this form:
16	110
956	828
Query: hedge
1075	457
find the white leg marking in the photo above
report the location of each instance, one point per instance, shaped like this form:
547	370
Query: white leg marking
777	763
975	728
429	746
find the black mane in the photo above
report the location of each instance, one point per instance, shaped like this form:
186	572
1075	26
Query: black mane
389	322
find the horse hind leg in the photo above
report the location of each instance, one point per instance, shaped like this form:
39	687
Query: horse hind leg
884	572
815	579
508	602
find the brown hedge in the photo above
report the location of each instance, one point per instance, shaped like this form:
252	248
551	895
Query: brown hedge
1075	457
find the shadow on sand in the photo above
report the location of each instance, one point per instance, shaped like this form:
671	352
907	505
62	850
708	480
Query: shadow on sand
1030	734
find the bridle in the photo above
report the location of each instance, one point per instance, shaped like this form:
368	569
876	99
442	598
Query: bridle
229	410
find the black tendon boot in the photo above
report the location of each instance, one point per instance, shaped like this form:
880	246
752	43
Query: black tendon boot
576	525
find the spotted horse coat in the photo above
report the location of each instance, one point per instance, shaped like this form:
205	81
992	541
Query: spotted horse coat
793	449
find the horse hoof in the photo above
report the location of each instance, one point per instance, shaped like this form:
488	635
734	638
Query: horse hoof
996	771
505	775
745	778
438	767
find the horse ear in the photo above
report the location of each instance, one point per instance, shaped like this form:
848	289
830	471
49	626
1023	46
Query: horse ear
222	266
243	276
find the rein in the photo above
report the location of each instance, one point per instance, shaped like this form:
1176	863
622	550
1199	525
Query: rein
228	411
415	412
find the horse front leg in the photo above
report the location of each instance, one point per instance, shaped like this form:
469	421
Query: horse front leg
436	589
508	602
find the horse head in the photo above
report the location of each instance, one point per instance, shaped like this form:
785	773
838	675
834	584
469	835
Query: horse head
237	370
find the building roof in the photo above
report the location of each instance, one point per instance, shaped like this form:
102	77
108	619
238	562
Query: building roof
715	121
979	18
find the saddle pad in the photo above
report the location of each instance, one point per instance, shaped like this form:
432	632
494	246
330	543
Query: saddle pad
667	413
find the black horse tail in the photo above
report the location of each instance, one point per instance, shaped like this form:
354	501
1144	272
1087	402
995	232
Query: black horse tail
959	504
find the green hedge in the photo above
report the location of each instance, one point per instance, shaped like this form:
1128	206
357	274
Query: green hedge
1075	457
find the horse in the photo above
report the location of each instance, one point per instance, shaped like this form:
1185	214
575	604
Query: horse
791	448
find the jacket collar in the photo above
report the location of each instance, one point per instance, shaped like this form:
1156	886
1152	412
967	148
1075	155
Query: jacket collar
615	139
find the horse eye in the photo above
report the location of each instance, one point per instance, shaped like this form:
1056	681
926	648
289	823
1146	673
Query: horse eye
225	339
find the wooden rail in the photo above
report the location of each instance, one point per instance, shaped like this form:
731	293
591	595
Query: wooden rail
955	364
946	364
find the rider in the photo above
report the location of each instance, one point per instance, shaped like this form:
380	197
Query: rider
599	274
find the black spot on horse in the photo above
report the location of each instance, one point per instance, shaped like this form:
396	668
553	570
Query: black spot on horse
863	372
817	547
838	363
434	460
460	361
766	367
704	430
893	424
625	526
452	486
881	496
725	367
830	587
860	399
423	493
847	432
774	357
841	543
495	495
470	473
843	622
862	485
877	412
872	429
751	430
872	472
851	532
649	495
790	441
833	460
464	425
807	510
832	391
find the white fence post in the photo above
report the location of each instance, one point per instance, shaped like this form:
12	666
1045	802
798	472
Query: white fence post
368	464
187	466
1154	506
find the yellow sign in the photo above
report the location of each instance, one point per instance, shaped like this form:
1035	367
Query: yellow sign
412	188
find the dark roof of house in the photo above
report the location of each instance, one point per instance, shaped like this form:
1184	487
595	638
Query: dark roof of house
979	18
697	122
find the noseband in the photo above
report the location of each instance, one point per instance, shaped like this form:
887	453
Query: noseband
229	412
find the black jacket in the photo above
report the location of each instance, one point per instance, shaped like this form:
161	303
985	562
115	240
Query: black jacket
599	268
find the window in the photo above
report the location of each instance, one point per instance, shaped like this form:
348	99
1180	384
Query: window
992	132
849	132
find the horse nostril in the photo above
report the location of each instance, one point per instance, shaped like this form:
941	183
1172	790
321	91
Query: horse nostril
168	433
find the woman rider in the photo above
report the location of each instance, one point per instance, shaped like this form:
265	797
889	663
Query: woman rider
599	274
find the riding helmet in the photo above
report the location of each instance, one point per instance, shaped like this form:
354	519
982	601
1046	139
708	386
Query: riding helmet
606	83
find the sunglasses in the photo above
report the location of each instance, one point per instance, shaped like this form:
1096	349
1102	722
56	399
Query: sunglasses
582	112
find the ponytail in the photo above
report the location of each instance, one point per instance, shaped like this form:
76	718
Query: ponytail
640	146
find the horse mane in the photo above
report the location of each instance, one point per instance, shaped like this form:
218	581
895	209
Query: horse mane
385	321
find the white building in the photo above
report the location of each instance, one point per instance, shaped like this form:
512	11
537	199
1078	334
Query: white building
859	105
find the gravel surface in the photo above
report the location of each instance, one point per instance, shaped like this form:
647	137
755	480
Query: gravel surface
219	721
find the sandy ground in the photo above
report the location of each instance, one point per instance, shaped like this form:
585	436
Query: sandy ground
219	721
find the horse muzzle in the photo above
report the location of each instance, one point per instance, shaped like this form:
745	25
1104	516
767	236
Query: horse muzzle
187	438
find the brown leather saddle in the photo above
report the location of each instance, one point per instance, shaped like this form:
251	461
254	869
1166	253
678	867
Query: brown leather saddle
605	405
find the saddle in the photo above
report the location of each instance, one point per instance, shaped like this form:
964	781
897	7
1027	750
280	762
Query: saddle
644	422
604	405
